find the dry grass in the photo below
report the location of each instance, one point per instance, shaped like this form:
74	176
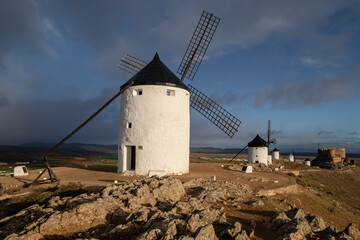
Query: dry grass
338	194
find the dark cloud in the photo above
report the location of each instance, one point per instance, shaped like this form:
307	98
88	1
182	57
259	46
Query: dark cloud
297	94
4	101
20	26
352	133
322	132
49	121
229	97
275	132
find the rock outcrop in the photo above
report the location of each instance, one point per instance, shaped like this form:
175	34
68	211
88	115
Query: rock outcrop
160	208
150	208
296	224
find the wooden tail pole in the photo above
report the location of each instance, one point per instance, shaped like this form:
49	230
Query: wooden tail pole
237	154
46	162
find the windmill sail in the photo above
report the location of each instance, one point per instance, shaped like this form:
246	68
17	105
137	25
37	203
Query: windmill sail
198	45
221	118
131	64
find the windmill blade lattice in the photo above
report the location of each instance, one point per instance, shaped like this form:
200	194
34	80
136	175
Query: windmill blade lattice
131	64
198	45
221	118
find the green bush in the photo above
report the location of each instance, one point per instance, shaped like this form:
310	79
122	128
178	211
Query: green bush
70	187
38	197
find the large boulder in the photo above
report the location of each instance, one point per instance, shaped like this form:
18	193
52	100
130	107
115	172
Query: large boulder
171	189
206	233
80	218
277	220
352	230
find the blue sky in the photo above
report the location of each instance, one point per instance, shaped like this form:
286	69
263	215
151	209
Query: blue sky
294	62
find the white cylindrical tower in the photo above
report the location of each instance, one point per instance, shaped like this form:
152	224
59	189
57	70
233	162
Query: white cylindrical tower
154	132
291	157
276	154
258	151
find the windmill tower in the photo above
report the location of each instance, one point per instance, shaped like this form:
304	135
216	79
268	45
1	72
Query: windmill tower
154	130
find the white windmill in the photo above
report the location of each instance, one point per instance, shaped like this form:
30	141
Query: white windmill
259	148
155	123
154	127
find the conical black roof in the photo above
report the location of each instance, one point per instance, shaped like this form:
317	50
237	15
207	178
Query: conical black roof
257	142
275	150
156	73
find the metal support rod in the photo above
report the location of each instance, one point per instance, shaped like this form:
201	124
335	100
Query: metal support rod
196	49
46	162
238	154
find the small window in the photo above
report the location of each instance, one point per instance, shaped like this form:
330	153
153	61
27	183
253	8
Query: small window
129	125
170	92
137	92
140	147
256	155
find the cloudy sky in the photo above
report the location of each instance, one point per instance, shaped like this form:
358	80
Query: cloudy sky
294	62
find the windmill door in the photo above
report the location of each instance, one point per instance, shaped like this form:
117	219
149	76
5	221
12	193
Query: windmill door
131	157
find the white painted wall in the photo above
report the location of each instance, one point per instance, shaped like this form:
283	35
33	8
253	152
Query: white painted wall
160	125
259	154
269	159
276	155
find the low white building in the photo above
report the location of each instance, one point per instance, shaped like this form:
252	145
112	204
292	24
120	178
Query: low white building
20	171
247	169
258	151
276	154
154	132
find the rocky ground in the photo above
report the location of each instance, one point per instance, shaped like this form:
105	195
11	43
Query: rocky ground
160	208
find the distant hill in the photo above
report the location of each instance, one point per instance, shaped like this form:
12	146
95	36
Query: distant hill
36	149
215	150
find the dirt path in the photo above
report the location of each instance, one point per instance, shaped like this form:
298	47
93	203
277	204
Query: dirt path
103	175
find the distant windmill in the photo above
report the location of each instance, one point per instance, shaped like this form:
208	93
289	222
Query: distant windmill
154	118
258	149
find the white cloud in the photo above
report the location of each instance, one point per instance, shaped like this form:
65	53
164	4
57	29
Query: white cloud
317	63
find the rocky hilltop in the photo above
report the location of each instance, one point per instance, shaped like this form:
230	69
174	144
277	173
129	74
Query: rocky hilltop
159	208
